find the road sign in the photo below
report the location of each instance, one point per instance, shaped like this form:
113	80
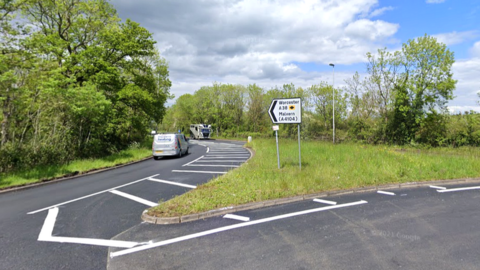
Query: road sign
286	111
275	127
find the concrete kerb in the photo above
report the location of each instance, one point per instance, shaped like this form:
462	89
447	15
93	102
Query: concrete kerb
60	179
257	205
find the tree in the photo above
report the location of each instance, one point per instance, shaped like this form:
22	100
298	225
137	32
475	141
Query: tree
425	86
410	86
321	101
256	109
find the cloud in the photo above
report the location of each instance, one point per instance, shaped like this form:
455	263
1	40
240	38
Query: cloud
380	11
435	1
371	30
466	72
475	50
256	39
454	37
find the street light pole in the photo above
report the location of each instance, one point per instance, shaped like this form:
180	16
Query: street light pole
333	88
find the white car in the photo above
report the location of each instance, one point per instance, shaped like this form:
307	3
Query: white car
169	145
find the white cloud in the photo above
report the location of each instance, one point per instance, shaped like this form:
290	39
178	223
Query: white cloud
371	30
255	40
435	1
454	37
475	50
466	72
380	11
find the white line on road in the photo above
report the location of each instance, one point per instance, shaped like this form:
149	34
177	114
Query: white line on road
457	189
171	183
211	157
214	160
228	152
208	149
81	198
134	198
437	187
186	171
193	161
386	193
237	217
325	201
231	227
232	156
47	229
206	165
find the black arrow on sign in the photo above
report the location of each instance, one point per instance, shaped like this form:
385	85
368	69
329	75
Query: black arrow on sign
271	111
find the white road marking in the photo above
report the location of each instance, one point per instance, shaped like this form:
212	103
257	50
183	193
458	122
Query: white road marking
457	189
214	160
193	161
186	171
231	227
171	183
386	193
228	152
133	198
206	165
237	217
208	149
47	229
325	201
232	156
437	187
81	198
212	157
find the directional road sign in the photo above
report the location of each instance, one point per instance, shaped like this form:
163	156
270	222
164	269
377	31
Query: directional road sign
286	111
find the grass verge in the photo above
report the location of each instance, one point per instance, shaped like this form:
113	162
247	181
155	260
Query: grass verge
45	173
324	167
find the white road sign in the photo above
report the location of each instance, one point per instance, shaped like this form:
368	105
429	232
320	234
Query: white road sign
286	111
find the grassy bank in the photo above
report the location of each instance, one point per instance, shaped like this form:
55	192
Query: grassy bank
324	167
44	173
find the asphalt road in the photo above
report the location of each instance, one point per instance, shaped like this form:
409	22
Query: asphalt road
418	228
69	224
93	222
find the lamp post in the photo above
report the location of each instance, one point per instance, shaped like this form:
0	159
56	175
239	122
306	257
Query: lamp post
333	87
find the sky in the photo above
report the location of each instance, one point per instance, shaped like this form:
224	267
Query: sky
276	42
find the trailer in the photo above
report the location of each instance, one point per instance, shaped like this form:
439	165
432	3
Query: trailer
200	131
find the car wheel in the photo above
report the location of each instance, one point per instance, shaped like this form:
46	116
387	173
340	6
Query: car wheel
156	158
186	153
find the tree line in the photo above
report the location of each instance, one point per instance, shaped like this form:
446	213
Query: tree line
402	100
75	81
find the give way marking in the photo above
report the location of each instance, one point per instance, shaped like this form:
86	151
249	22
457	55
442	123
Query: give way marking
47	229
150	245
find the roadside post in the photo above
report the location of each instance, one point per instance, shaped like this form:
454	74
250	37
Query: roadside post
287	111
276	139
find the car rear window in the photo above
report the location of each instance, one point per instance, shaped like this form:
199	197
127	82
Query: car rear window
164	138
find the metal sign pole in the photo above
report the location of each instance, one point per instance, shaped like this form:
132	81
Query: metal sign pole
299	149
278	154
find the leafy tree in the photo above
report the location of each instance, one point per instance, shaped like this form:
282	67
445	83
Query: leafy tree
256	108
321	100
426	82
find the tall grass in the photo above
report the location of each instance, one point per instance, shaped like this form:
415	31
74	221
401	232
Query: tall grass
324	167
43	173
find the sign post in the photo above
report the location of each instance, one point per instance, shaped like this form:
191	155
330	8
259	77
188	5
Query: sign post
276	139
287	111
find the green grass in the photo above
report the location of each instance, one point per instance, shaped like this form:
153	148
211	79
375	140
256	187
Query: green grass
324	167
44	173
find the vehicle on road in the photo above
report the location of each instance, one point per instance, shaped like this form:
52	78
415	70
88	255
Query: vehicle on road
169	145
200	131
